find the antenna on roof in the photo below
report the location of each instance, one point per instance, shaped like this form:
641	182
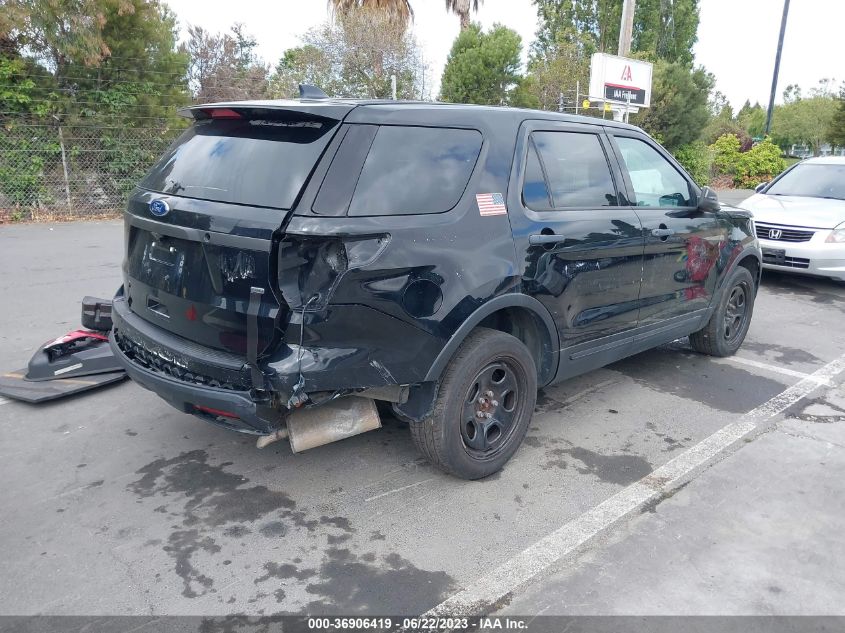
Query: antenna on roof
311	92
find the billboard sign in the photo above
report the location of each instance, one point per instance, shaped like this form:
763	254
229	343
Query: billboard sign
620	80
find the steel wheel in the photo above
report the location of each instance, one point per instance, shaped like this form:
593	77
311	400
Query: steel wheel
736	312
490	409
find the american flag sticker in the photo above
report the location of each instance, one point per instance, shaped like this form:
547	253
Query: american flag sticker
491	204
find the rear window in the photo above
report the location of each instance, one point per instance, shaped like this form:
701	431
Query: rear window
414	170
261	162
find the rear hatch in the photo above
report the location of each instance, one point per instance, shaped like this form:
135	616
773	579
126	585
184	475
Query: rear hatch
201	226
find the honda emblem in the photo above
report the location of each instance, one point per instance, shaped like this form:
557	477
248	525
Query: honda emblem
775	234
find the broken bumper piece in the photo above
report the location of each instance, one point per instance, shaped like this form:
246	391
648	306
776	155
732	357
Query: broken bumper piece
234	410
15	385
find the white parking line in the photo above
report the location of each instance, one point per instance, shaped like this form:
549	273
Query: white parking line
4	401
767	367
390	492
489	589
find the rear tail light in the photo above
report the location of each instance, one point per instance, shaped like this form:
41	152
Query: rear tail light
311	267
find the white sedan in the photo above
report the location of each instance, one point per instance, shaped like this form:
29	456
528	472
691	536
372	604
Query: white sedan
800	218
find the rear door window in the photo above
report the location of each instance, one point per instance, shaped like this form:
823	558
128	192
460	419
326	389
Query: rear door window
415	170
576	170
261	162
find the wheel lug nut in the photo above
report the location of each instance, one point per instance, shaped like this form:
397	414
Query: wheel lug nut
495	403
479	414
482	400
488	415
489	394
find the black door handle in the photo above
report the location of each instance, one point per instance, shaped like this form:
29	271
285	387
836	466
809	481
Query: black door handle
546	239
662	232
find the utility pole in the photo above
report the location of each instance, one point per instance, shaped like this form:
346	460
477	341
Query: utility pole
626	27
777	67
577	94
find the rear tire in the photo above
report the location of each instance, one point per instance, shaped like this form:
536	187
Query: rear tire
729	323
484	405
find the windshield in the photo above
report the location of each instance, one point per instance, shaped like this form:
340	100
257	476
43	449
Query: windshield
246	161
814	181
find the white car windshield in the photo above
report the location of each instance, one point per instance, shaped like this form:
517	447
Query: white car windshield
814	181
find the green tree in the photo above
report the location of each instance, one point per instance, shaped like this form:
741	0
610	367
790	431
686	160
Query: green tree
557	70
752	119
663	29
792	93
679	104
805	121
142	75
103	79
223	66
836	129
354	57
483	67
306	64
666	29
61	33
591	24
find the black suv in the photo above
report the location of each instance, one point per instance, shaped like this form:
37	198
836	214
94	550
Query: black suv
287	258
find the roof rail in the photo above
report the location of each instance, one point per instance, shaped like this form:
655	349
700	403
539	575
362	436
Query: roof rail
311	92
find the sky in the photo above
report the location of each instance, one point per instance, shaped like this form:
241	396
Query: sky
737	39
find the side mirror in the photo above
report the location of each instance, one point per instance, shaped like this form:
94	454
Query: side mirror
709	201
760	187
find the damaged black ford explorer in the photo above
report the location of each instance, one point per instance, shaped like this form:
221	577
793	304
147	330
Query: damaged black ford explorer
290	263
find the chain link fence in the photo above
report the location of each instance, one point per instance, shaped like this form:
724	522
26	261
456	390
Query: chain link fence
54	171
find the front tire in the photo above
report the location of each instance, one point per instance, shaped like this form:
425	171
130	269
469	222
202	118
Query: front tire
483	407
729	323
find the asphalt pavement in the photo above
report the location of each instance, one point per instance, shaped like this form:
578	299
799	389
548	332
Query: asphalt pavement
114	503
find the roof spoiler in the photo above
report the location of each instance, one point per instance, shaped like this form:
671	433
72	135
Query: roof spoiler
308	109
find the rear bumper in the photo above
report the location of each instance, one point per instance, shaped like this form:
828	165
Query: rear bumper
187	398
814	257
243	413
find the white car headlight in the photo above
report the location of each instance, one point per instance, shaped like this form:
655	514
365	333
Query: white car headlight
837	236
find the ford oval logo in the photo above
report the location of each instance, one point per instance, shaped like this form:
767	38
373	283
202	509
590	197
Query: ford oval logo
159	208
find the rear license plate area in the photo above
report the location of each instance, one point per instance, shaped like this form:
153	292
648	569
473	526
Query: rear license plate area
165	263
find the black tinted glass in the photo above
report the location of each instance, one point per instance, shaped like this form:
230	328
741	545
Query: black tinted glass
257	162
339	183
577	169
415	170
535	194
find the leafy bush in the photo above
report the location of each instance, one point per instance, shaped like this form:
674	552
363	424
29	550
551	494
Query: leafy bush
726	154
747	169
759	164
697	159
717	128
